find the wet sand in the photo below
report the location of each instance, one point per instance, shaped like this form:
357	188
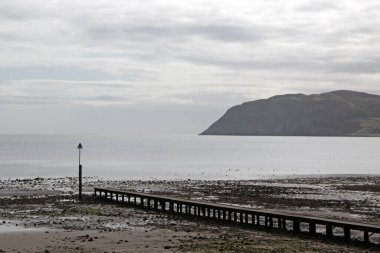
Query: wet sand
42	215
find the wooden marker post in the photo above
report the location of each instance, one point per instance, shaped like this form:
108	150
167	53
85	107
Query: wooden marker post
80	173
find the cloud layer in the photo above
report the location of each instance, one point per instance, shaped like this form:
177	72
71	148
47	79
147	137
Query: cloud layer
196	53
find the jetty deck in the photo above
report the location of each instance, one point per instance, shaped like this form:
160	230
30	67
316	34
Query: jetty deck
241	215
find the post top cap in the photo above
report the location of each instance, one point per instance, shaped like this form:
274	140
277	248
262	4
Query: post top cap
80	146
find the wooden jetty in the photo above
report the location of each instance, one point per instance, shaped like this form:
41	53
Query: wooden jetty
240	215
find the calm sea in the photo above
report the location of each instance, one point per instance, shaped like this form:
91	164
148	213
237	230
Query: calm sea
186	156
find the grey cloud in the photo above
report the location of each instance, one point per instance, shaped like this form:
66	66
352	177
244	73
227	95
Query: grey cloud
110	98
52	72
8	13
31	100
20	11
250	64
356	67
48	100
314	6
176	32
331	65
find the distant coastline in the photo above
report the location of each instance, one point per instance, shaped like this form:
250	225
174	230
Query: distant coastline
339	113
295	135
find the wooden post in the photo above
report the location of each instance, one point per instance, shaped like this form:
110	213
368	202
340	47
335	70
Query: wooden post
80	147
329	231
284	224
347	233
366	237
296	226
312	228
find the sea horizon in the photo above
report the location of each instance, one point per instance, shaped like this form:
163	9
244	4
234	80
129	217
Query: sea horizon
185	156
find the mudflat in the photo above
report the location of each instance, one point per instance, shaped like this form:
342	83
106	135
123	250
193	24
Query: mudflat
43	215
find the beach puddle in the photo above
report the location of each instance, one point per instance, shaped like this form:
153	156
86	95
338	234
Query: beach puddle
14	227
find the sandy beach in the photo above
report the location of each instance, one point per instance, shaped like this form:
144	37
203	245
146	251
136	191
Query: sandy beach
43	215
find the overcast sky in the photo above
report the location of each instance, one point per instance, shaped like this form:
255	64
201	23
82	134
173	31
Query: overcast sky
70	66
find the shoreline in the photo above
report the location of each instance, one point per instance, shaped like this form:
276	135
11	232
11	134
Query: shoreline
266	177
50	205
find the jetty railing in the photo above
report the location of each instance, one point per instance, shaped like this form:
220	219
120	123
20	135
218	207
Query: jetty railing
240	215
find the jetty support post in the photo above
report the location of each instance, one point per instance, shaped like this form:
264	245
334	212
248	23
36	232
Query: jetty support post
366	237
312	228
347	233
296	226
329	231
